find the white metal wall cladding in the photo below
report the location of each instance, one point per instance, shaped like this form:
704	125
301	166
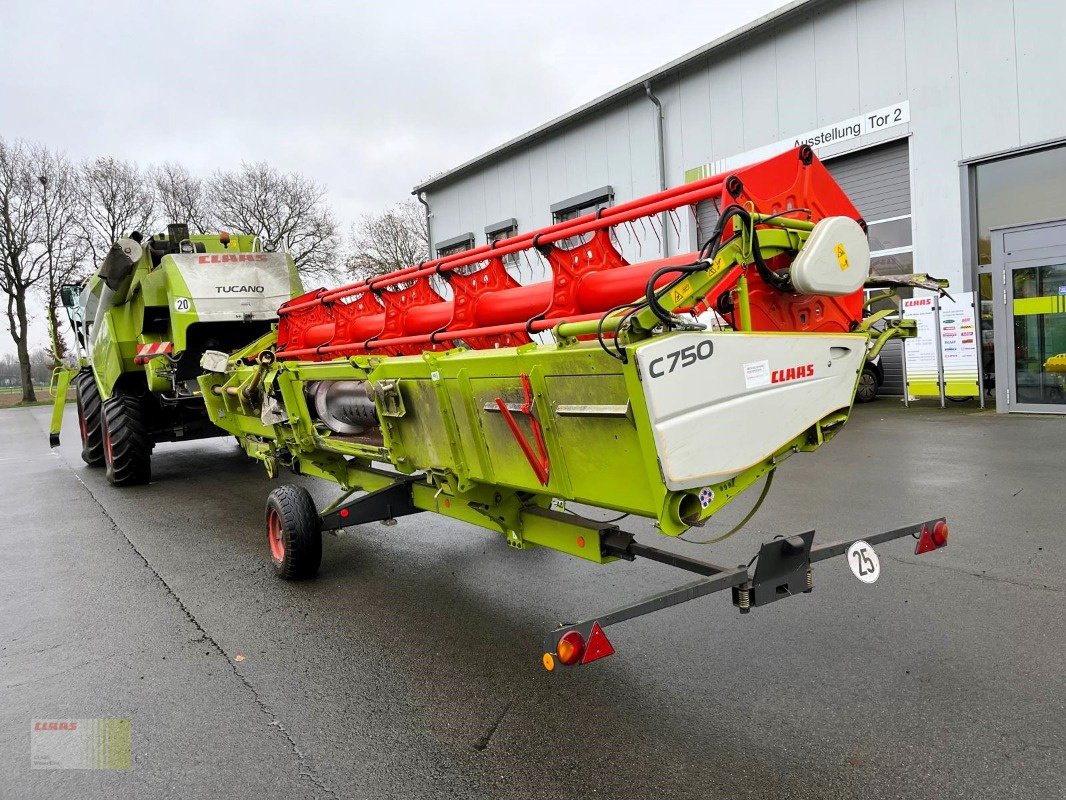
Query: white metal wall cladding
716	414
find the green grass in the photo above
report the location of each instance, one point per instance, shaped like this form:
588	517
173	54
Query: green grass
11	397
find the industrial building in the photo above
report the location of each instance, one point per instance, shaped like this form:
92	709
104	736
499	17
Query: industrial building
940	118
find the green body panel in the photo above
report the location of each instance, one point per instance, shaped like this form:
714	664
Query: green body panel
439	419
119	326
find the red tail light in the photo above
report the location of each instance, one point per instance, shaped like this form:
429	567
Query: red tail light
932	539
940	534
570	648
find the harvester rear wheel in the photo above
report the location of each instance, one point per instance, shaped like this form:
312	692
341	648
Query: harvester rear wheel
294	533
89	418
127	445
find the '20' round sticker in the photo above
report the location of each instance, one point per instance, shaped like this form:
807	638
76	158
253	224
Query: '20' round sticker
182	304
863	562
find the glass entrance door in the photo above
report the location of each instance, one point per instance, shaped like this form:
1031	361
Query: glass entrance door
1036	300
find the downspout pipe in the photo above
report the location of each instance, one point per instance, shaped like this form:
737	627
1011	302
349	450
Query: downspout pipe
429	224
660	142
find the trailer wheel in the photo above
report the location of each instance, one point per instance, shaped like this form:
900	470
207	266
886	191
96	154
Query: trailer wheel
89	418
127	444
294	532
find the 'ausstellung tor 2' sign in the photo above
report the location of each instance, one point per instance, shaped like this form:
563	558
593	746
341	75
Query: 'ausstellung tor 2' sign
860	125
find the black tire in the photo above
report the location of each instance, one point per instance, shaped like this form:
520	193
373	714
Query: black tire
90	418
294	533
127	443
867	390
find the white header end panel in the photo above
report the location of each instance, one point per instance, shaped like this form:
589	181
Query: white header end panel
721	402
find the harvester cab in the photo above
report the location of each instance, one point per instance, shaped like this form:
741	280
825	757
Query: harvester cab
142	323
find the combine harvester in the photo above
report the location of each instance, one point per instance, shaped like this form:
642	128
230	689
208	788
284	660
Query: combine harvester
661	389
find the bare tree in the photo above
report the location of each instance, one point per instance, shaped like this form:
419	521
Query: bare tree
116	197
21	200
61	244
286	210
182	197
396	238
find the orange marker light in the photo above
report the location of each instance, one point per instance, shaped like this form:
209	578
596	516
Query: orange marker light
570	648
548	661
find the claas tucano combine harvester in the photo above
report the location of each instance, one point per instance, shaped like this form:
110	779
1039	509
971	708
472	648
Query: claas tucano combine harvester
661	389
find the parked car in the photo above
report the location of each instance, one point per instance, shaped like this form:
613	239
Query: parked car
870	381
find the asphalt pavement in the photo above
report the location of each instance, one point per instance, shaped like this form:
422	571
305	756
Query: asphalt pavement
411	667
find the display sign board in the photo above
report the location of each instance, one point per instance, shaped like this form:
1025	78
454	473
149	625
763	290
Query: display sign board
944	358
921	352
960	346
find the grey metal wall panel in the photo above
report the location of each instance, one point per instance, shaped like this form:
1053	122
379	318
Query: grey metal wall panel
933	90
1041	53
988	85
758	79
877	180
727	135
882	47
797	89
689	142
836	64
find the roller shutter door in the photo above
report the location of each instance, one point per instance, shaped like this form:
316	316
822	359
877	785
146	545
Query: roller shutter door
706	219
877	180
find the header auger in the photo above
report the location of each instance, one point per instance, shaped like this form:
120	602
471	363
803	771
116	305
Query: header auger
662	389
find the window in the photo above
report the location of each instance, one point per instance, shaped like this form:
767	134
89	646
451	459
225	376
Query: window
457	244
582	204
1017	190
497	232
504	229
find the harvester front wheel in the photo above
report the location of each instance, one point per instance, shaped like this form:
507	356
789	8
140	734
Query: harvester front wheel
90	420
127	444
294	532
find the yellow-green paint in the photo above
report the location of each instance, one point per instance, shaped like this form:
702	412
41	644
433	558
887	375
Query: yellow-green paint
1049	304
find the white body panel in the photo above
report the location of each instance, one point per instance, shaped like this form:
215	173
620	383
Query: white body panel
245	286
717	413
835	261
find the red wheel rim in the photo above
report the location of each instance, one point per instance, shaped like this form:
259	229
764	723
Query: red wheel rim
107	444
84	427
274	534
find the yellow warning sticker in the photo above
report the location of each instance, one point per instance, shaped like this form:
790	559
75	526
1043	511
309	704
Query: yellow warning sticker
842	256
681	292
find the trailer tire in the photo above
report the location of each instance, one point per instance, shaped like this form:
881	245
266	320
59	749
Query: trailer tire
90	418
127	443
294	533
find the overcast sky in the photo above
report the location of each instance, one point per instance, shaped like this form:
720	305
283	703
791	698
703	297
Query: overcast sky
367	98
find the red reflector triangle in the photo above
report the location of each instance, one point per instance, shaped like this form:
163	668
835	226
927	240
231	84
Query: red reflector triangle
925	542
598	646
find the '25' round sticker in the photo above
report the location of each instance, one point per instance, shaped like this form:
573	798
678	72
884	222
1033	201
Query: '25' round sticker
864	562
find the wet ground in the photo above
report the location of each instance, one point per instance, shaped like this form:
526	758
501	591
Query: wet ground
410	667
